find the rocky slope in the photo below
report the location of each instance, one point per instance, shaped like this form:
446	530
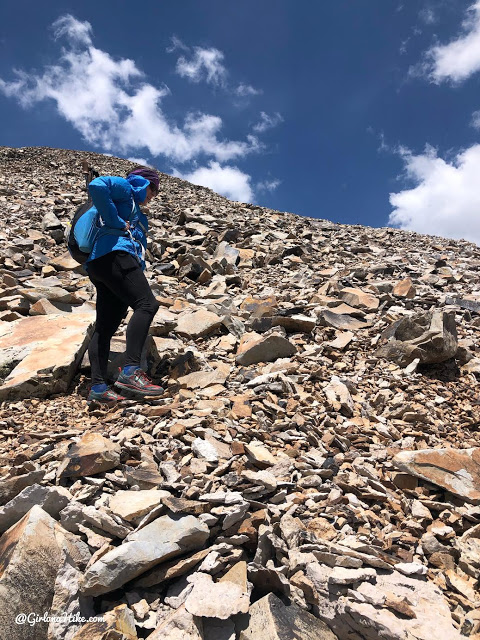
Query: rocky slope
313	467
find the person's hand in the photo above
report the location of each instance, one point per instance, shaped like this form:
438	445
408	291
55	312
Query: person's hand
127	226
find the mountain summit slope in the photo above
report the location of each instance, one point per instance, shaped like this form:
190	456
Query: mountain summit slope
314	465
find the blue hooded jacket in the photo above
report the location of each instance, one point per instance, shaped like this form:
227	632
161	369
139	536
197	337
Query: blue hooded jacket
114	199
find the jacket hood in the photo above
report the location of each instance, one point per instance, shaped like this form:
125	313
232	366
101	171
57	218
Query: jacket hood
139	187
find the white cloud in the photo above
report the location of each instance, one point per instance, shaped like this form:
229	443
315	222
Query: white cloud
112	106
69	26
177	44
475	121
428	16
244	90
227	181
268	185
460	58
205	64
267	122
446	198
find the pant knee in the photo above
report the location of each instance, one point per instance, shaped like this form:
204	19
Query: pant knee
149	306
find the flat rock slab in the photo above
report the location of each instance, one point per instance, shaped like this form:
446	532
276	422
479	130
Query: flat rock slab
162	539
270	619
358	298
51	499
92	454
30	558
198	324
11	486
210	599
259	307
342	321
170	570
202	379
131	505
456	470
39	355
254	348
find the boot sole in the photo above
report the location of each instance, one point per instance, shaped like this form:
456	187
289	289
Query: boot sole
138	393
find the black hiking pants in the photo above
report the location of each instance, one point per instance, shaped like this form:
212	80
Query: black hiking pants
120	283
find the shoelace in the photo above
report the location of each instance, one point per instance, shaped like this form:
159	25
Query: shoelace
142	376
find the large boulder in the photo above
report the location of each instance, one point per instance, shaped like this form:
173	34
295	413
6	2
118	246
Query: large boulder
390	605
456	470
271	619
30	557
429	337
162	539
39	355
92	454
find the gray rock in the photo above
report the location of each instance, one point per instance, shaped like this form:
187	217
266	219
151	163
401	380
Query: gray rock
429	610
157	542
51	499
429	337
75	514
215	599
10	487
179	625
30	558
270	619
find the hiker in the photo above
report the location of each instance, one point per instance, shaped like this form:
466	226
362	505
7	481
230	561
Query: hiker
115	266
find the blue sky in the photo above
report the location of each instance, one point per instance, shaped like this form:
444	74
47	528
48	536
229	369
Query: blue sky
358	111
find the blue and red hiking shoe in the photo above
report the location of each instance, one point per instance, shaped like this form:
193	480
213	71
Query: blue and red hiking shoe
108	397
139	384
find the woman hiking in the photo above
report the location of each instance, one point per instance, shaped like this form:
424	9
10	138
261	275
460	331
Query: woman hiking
115	266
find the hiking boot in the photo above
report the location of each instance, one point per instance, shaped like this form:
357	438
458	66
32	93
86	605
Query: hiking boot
109	397
139	384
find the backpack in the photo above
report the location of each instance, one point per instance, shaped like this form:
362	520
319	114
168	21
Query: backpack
86	224
82	229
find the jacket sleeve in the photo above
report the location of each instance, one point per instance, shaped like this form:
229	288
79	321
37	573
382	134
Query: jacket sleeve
105	192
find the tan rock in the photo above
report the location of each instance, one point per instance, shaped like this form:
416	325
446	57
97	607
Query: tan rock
322	529
260	455
342	340
456	470
132	505
255	348
118	624
241	405
65	262
202	379
198	324
170	570
259	307
359	299
30	557
41	353
404	289
92	454
238	575
339	397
